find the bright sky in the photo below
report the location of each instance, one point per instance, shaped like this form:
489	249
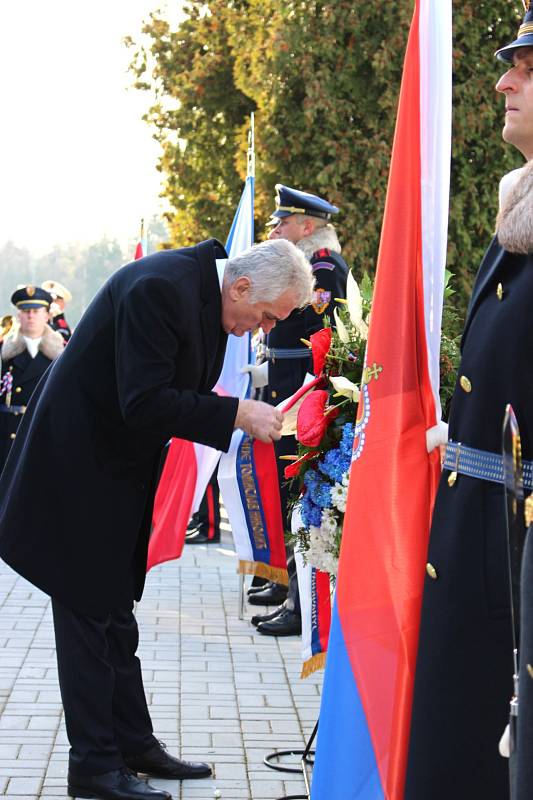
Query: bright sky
76	160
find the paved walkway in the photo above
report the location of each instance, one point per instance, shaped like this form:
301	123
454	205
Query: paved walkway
217	689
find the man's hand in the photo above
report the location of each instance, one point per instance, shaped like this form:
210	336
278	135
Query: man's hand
260	420
258	374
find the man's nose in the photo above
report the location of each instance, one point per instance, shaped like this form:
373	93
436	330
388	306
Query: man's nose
507	82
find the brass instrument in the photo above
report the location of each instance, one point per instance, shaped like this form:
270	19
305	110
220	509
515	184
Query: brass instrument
7	324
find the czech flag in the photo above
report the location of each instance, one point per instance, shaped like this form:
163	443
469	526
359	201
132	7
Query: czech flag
365	714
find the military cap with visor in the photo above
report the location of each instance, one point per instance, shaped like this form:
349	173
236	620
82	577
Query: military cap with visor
524	38
27	297
293	201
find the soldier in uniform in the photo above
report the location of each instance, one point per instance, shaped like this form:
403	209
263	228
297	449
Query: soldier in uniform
204	527
463	680
61	297
25	357
303	219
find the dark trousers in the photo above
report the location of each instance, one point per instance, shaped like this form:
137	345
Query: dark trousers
101	688
208	515
287	446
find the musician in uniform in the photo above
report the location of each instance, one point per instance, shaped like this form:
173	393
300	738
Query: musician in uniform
305	220
26	354
61	296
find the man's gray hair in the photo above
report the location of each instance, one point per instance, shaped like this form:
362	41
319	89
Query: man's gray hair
273	267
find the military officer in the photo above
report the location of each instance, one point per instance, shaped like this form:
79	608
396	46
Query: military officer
305	220
61	297
463	680
25	356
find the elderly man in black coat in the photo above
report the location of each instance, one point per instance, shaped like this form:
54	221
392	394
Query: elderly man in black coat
463	680
138	370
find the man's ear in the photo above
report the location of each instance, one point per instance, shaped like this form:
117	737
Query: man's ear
308	226
240	288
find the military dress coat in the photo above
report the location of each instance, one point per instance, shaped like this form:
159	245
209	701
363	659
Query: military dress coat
523	780
463	680
138	370
25	373
286	375
60	324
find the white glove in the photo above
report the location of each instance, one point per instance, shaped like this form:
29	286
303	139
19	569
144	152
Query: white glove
258	374
505	743
436	436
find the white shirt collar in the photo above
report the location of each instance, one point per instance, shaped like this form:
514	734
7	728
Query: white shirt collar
32	345
221	266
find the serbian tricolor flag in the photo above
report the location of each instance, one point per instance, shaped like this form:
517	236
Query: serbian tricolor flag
315	602
365	714
189	466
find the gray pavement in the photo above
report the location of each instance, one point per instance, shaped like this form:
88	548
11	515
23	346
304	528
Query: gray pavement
217	690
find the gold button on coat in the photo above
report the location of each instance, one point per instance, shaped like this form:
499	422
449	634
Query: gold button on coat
466	386
530	670
18	389
499	291
431	571
12	435
274	394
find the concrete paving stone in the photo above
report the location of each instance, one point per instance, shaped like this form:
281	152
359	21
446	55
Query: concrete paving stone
24	786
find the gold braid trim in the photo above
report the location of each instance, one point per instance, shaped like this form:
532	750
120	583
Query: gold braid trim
312	664
275	574
527	27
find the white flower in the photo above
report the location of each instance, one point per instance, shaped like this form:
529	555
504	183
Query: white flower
355	306
339	493
342	330
345	387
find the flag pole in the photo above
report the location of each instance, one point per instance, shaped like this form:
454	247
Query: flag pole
250	164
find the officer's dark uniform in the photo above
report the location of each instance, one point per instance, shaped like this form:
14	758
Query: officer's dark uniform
289	358
20	373
58	322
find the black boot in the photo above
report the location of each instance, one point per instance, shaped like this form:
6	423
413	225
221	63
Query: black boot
258	618
288	623
273	595
120	784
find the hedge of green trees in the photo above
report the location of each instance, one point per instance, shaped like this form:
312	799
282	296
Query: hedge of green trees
323	81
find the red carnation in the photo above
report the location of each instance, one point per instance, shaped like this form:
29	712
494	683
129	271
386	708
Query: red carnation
313	419
320	343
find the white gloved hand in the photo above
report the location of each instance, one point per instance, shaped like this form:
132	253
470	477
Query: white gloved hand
505	743
437	435
258	374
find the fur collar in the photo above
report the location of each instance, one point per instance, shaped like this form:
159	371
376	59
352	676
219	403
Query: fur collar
320	239
51	345
514	225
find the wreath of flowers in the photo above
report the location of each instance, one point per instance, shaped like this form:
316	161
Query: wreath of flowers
325	422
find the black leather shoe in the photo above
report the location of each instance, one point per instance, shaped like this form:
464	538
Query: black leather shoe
160	764
273	595
120	784
288	623
194	523
198	536
258	618
259	586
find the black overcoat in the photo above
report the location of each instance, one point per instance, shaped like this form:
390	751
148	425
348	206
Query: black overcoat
26	372
464	670
524	759
138	370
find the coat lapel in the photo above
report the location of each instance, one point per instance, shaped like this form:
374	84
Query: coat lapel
30	368
214	338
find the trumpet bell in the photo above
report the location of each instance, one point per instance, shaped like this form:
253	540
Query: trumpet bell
7	324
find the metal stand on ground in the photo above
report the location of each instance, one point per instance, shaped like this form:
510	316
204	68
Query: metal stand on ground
307	760
241	596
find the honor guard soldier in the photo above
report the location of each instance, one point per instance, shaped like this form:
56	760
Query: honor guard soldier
61	296
464	672
303	219
26	354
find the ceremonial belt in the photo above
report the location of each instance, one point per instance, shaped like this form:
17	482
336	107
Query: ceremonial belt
481	464
273	353
12	409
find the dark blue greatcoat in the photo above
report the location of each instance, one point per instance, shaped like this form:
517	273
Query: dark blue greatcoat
138	370
464	671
